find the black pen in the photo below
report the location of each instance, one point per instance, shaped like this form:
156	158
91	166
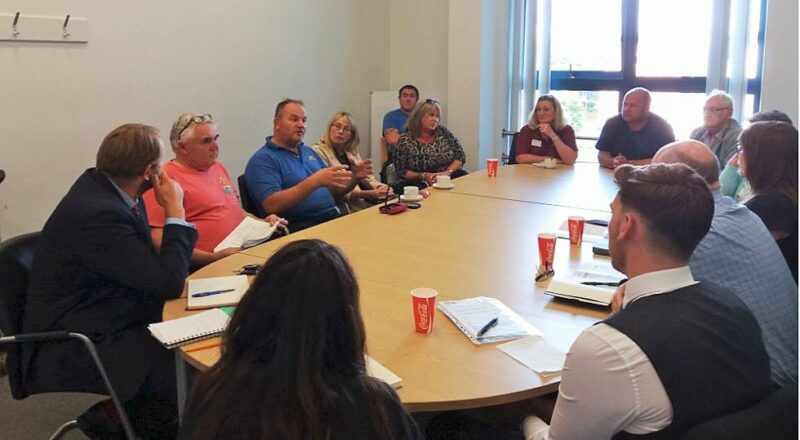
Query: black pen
599	283
212	292
487	327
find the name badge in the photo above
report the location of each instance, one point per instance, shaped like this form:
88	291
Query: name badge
536	143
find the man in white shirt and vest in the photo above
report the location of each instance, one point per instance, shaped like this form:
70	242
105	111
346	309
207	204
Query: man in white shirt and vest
679	352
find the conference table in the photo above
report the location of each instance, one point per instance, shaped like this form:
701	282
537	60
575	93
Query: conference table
477	239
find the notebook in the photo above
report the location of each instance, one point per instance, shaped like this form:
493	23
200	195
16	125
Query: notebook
238	283
378	371
471	315
182	331
249	233
570	286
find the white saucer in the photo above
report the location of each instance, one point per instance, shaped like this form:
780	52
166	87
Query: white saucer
541	165
437	186
404	199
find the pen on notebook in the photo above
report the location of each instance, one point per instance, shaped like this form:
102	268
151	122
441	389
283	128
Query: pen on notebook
599	283
487	327
211	292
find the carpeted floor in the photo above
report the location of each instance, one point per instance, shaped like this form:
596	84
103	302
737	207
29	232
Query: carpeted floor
38	417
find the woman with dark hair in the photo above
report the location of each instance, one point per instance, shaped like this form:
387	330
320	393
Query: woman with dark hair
427	149
768	159
546	135
293	365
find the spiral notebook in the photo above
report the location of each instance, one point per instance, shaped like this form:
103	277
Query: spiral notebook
472	314
182	331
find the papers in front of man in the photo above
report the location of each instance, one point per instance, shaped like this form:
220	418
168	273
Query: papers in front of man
535	353
205	293
592	233
473	314
376	370
249	233
197	327
593	283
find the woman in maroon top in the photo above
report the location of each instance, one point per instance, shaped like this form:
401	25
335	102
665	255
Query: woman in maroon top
546	135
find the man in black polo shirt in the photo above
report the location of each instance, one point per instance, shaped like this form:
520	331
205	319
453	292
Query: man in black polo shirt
679	352
635	134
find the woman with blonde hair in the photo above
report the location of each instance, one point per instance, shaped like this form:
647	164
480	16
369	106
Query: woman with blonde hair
427	149
546	135
339	146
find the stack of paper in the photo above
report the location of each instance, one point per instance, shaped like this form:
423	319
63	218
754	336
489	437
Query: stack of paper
203	291
249	233
593	283
378	371
471	315
190	329
535	353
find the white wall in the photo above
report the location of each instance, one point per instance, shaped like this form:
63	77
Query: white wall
779	87
150	60
418	45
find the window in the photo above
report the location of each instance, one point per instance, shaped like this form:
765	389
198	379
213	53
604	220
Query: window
591	52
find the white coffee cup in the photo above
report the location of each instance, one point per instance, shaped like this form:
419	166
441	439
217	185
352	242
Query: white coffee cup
410	192
443	181
550	162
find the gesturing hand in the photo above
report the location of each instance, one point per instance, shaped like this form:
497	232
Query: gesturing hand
361	169
334	177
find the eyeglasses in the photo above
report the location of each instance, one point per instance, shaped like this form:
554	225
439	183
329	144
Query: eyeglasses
545	274
339	127
714	109
199	119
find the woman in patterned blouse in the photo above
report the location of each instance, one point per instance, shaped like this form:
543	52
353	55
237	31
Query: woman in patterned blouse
546	135
427	150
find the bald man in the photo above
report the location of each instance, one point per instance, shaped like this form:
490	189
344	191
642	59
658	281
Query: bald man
635	134
739	254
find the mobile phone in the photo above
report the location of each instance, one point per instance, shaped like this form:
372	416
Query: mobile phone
393	208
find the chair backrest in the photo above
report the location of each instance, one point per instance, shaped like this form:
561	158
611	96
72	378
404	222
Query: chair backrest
512	151
16	261
248	204
774	417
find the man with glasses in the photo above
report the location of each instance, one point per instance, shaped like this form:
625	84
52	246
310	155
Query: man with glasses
635	134
210	197
720	132
288	178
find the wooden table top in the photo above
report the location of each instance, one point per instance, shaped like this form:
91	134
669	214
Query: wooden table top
464	246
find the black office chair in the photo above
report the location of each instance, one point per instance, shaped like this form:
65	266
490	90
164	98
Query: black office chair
16	260
248	204
774	417
512	150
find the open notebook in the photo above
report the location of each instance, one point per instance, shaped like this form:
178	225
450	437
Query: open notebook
249	233
571	285
182	331
471	315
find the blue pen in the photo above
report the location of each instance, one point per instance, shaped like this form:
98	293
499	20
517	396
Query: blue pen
487	327
212	292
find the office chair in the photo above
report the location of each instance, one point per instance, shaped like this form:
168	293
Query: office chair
512	150
16	260
248	204
774	417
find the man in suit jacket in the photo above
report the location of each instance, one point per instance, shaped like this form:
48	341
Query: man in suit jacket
96	272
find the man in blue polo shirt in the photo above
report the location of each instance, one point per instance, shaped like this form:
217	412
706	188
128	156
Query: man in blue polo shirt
394	122
290	180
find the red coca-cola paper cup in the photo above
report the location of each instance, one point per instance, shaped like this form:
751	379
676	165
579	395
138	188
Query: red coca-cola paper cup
547	249
423	300
575	225
491	167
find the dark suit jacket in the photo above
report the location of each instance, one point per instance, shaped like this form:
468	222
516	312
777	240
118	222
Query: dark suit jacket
96	272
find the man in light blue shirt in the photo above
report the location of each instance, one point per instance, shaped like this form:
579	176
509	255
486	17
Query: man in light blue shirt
739	254
394	124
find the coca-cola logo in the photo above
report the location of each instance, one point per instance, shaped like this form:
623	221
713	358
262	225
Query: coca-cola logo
550	248
422	312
